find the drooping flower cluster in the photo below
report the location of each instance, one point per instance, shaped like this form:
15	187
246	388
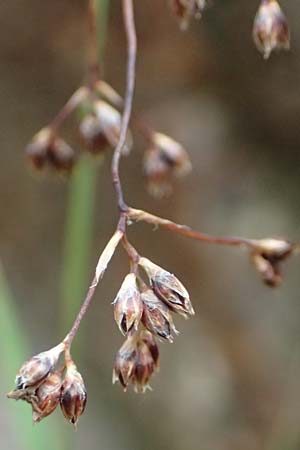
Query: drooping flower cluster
44	386
144	313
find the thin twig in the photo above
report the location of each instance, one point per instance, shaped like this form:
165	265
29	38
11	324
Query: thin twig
140	215
131	59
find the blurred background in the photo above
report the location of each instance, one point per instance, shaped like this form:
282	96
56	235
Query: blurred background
231	378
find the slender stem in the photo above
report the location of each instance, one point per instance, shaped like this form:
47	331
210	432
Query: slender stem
74	101
144	216
131	60
94	65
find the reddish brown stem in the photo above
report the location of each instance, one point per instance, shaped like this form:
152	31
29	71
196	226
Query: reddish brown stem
131	59
144	216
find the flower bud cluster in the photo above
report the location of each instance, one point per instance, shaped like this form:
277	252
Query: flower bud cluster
267	256
40	383
164	160
142	314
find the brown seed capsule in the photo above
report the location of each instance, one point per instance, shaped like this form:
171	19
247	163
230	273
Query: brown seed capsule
267	255
61	156
136	361
168	288
37	149
151	343
73	395
128	306
47	396
110	122
143	369
92	133
270	29
36	369
185	10
157	317
125	361
163	160
45	148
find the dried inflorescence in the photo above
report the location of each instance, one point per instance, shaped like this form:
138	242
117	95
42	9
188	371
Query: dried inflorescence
44	386
270	29
142	311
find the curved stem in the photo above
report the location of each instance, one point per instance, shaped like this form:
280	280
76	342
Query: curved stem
131	60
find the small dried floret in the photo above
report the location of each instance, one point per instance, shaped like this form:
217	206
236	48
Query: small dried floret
47	396
73	395
136	361
163	160
101	128
128	306
157	317
185	10
48	149
270	29
267	255
36	369
125	361
168	288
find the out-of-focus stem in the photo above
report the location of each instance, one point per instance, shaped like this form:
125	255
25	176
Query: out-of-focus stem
80	214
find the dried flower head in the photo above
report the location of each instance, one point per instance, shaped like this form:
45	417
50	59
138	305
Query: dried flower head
101	128
164	159
168	288
185	10
157	316
34	371
47	396
270	29
136	361
267	255
48	149
125	361
73	395
128	306
91	131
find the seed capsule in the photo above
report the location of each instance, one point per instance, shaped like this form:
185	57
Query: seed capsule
270	29
157	317
125	361
110	120
163	160
73	395
36	369
47	149
168	288
128	306
37	149
136	361
47	396
267	256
